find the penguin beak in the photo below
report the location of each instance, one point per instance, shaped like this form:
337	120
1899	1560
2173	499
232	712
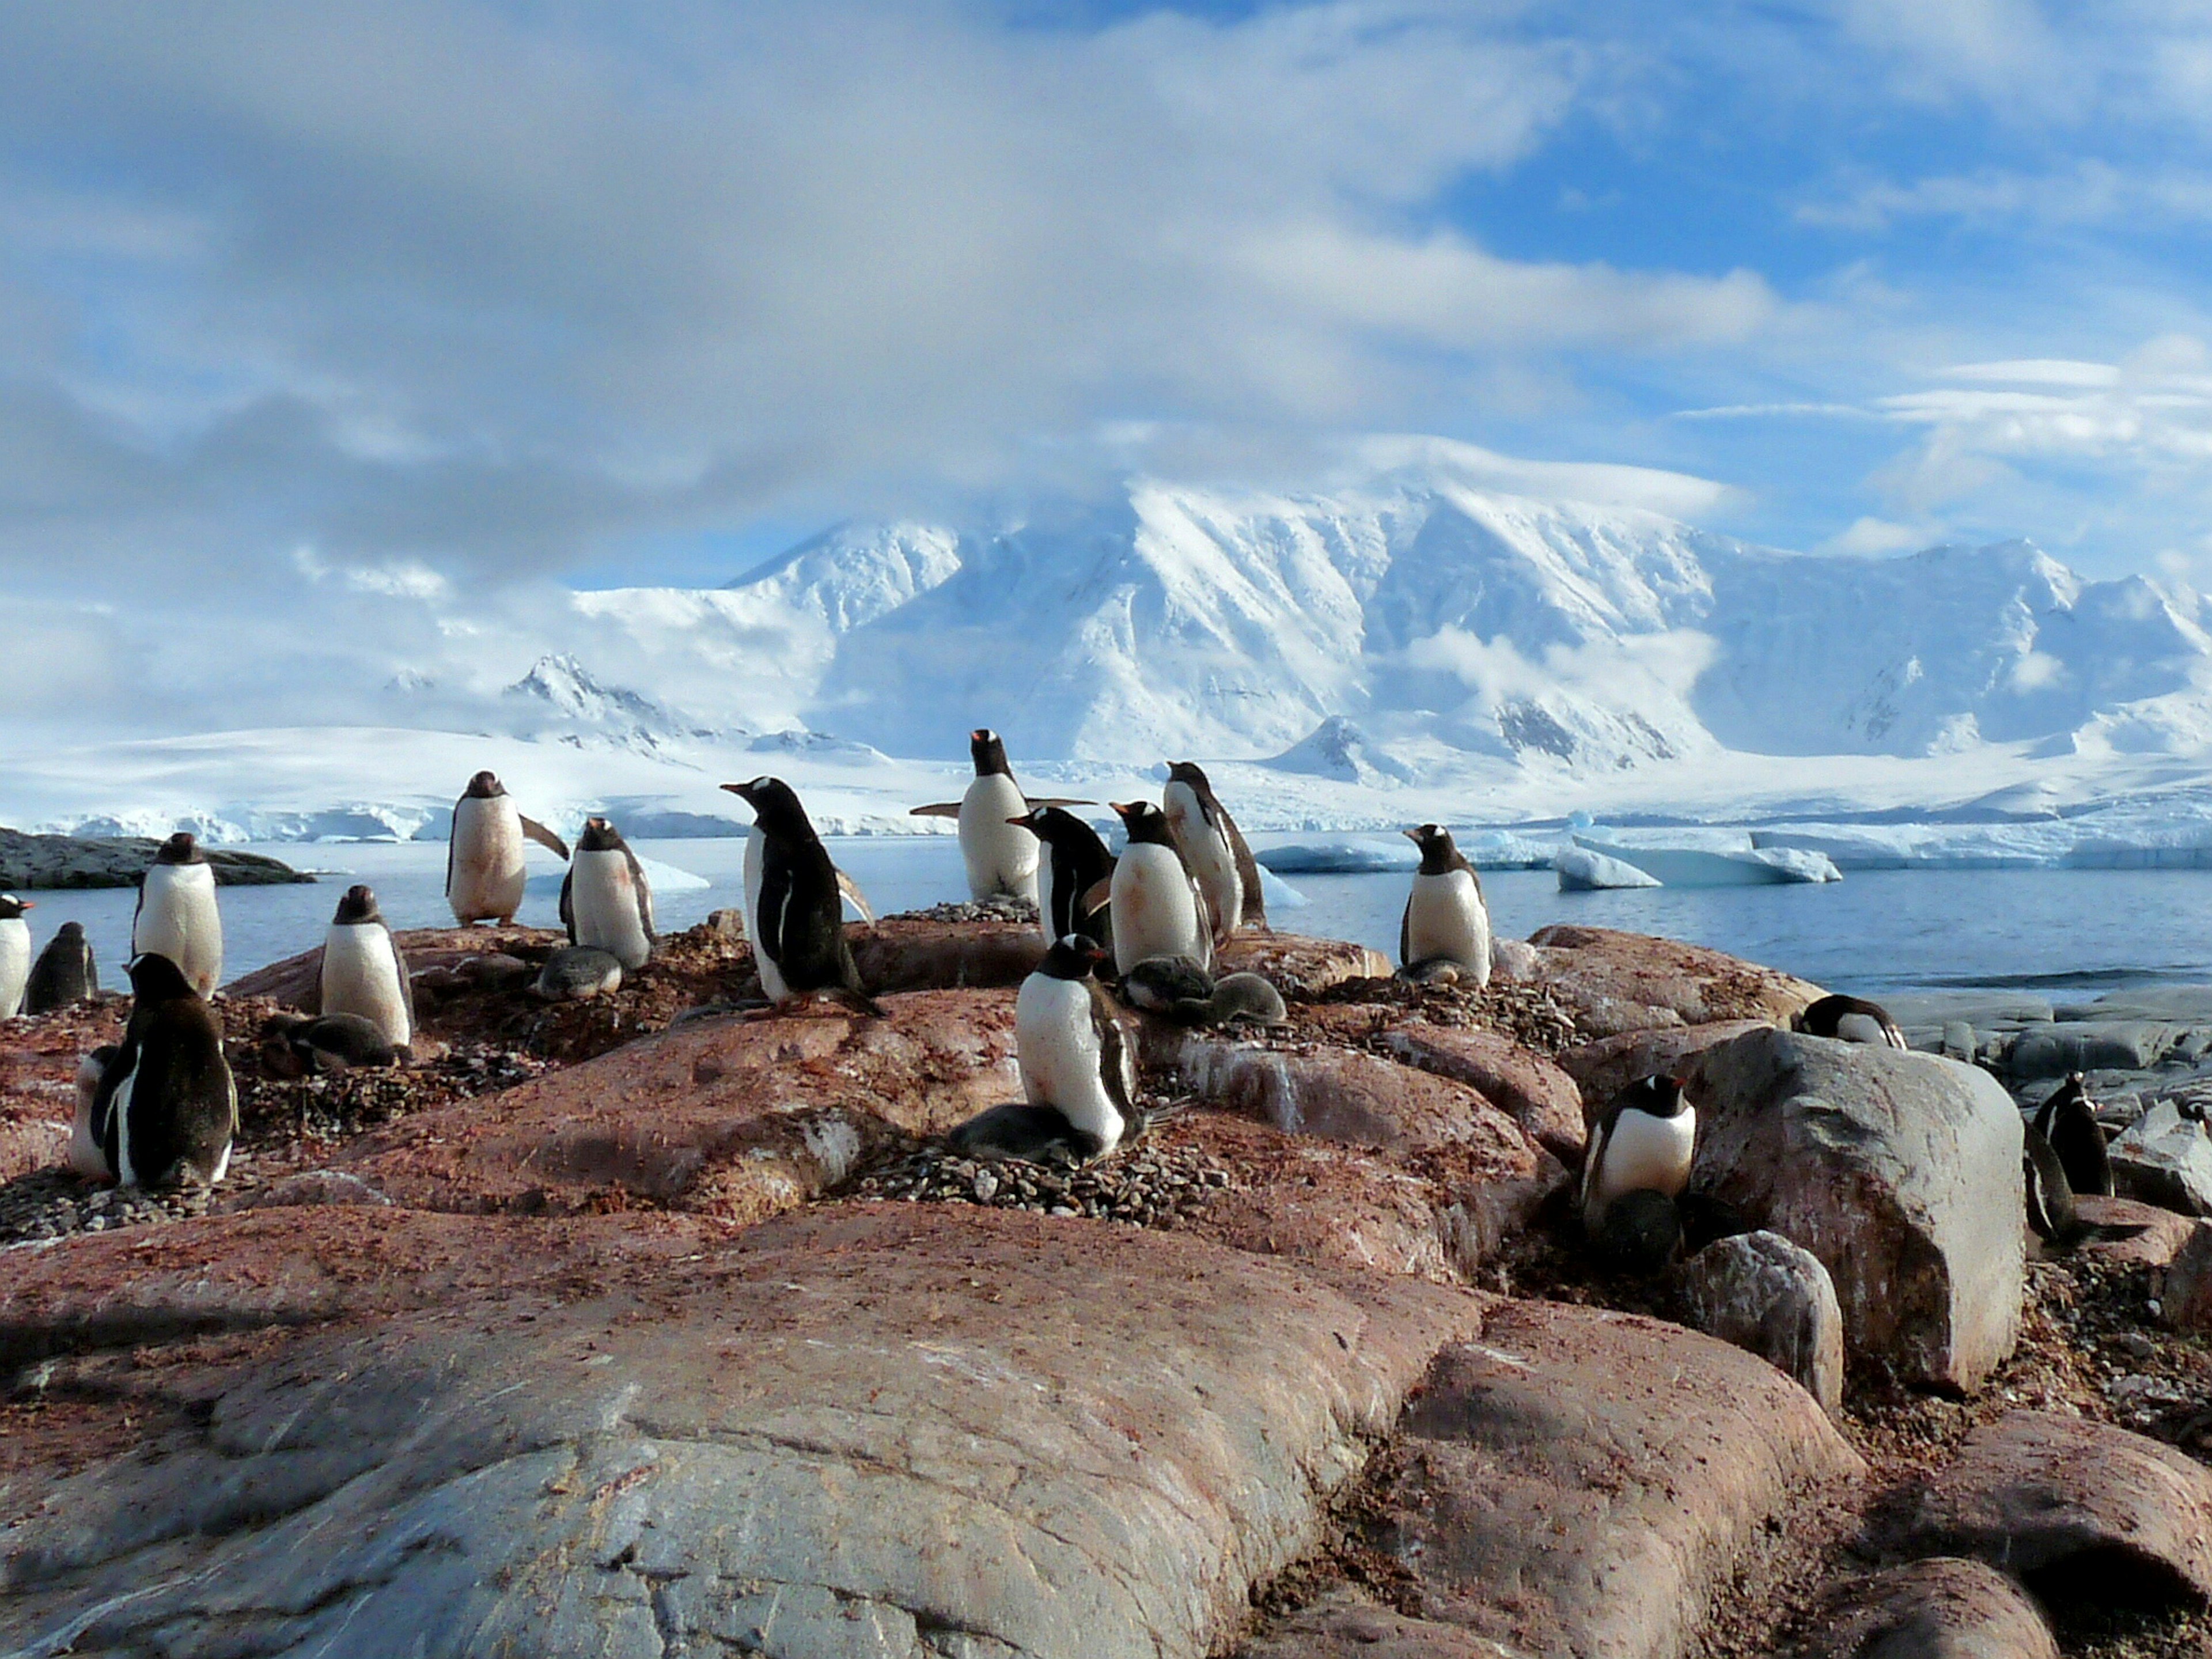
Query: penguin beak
1413	835
1123	808
1022	821
743	792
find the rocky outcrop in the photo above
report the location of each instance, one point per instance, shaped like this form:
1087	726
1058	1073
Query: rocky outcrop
1603	1068
2166	1158
873	1427
1348	1625
2075	1506
1299	966
2185	1296
33	861
1941	1608
1533	1090
1901	1172
1762	1293
1617	982
1575	1481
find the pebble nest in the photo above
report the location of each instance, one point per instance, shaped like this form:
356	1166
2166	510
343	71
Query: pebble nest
1529	1014
1144	1186
1002	907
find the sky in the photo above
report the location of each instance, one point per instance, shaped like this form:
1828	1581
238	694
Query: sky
311	314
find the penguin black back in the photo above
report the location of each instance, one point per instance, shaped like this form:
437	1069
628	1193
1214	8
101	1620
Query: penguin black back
357	906
166	1107
1079	862
1849	1019
179	848
799	911
2068	1120
65	974
1253	893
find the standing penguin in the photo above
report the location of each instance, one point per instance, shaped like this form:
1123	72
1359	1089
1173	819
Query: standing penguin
485	873
1213	849
177	917
1075	862
65	974
1078	1066
166	1107
2068	1123
794	902
1849	1019
1001	853
1643	1143
605	900
14	954
1158	909
1445	919
363	971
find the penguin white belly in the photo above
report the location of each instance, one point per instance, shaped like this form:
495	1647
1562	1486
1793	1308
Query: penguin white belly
85	1156
771	977
1448	918
1154	913
1862	1027
1645	1153
360	975
1000	857
15	964
119	1115
1207	851
603	898
488	874
1059	1053
178	918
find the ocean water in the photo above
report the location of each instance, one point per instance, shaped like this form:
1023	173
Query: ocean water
1875	931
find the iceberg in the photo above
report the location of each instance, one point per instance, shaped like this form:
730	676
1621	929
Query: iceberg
1280	894
1697	866
1582	871
1339	858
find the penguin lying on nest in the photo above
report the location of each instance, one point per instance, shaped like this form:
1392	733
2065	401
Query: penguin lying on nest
1178	987
295	1045
1078	1066
1849	1019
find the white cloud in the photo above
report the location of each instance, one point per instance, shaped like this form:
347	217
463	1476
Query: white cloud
1870	537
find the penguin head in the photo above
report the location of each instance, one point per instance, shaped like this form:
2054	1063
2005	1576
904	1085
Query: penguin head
70	930
600	837
1144	821
484	787
988	752
1188	772
180	849
774	804
359	905
1073	956
1439	853
11	907
154	978
1654	1096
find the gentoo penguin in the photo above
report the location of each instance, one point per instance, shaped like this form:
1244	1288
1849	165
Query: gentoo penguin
1849	1019
364	972
86	1155
166	1107
1445	917
177	917
794	903
577	971
65	974
485	873
1075	861
1180	990
2068	1122
1643	1143
1158	909
1213	849
1078	1066
14	954
999	850
605	900
292	1046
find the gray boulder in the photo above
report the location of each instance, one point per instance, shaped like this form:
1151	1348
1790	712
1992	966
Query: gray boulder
1901	1172
28	861
1762	1293
2184	1299
1941	1608
2166	1158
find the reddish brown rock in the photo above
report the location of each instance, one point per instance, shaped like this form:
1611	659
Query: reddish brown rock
2163	1232
1603	1068
1534	1091
1300	967
833	1433
742	1115
297	981
1584	1482
1941	1608
2185	1294
2073	1505
897	955
1606	975
1346	1095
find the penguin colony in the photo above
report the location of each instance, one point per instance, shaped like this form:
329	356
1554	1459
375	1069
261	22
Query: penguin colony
161	1107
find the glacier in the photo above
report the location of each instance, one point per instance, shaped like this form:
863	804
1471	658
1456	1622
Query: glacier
1410	643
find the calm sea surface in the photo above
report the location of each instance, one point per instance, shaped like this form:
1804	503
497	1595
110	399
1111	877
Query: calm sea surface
1875	931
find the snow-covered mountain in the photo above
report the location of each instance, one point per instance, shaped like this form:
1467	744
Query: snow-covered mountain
1435	622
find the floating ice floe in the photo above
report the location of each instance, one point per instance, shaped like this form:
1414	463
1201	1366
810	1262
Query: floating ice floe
1339	858
1582	871
1688	866
1279	893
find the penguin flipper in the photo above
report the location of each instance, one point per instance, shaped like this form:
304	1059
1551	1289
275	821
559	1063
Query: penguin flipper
942	809
1406	934
1052	800
1096	896
1117	1060
569	905
859	1001
538	833
851	890
1248	875
406	980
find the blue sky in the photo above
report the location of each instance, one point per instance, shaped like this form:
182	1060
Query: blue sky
452	295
